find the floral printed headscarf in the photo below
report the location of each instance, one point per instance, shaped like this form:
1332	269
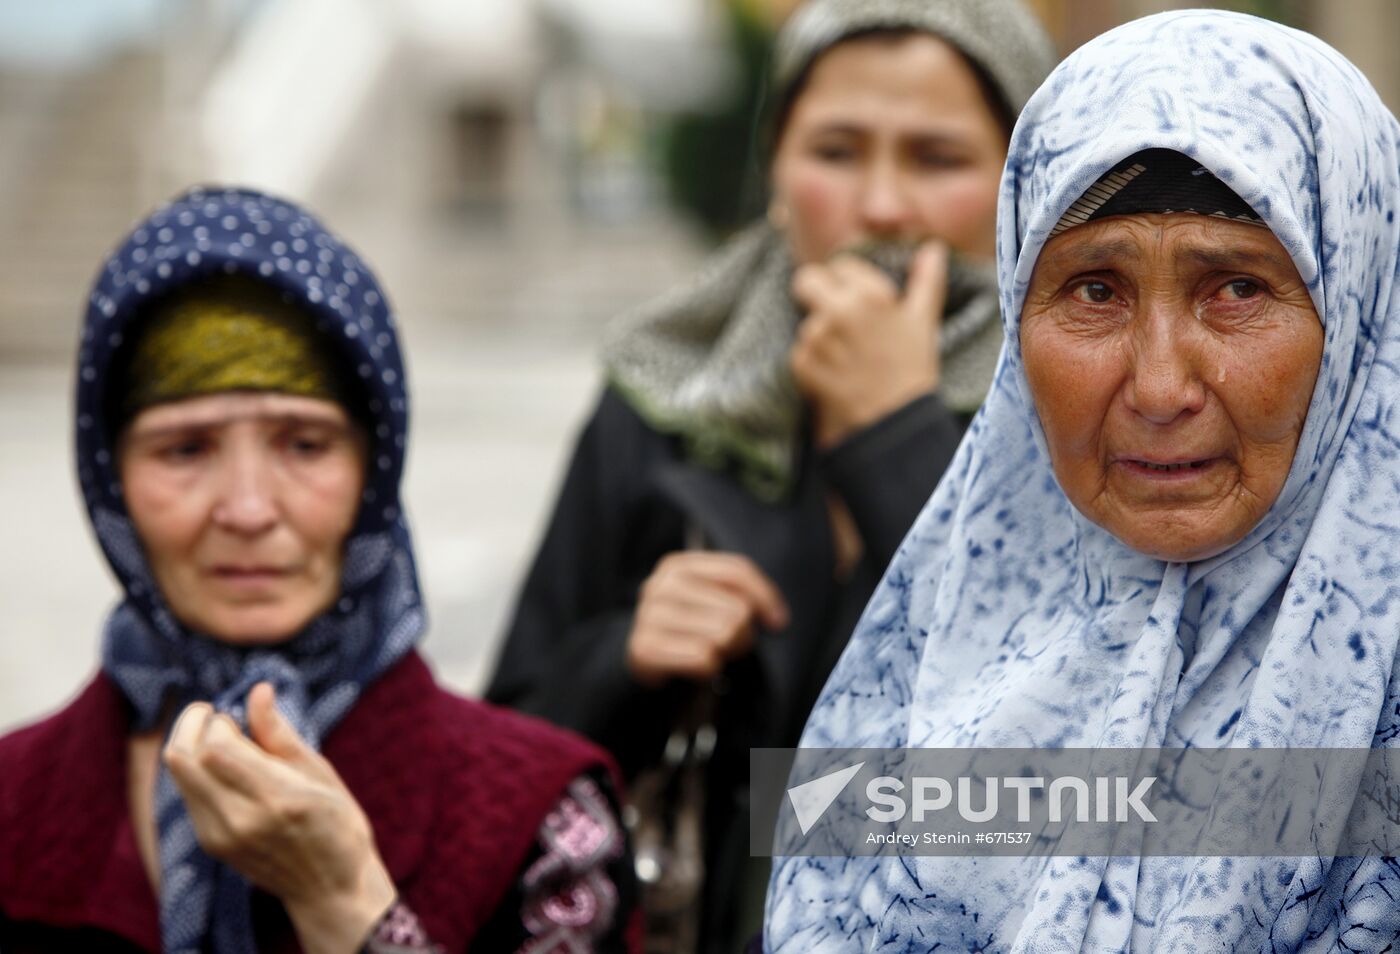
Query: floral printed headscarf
1008	620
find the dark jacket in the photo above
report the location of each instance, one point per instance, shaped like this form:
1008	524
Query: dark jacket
455	791
630	497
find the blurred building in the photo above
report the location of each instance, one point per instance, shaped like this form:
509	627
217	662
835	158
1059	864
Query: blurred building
383	114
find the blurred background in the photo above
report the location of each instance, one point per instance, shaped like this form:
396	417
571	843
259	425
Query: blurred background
517	171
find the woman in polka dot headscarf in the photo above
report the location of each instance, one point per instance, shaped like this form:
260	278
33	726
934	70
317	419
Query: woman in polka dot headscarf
264	761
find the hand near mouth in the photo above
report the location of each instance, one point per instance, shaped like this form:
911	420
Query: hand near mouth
866	348
276	811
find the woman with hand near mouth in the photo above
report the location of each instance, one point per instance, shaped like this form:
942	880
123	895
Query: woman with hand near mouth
770	430
264	762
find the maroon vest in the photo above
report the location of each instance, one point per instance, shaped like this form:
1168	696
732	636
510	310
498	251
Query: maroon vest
456	791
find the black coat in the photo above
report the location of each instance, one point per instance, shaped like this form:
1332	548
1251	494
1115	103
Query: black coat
629	498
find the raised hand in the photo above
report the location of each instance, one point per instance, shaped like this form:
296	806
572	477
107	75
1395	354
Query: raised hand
863	351
274	809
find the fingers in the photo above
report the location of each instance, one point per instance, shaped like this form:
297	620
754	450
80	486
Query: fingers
823	335
289	826
813	285
201	736
697	611
240	765
199	746
733	572
685	659
847	299
818	358
183	753
189	728
846	283
270	729
862	351
849	269
763	595
928	282
209	756
723	621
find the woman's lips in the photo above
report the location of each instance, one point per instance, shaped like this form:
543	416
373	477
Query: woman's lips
248	577
1168	470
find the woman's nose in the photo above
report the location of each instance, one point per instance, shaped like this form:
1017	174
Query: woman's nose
884	204
246	501
1165	381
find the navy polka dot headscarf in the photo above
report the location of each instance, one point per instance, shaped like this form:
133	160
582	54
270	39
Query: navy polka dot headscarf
158	664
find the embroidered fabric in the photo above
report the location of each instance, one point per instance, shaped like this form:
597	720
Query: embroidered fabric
399	932
569	900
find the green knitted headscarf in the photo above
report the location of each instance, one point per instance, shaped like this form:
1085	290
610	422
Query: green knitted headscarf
227	334
708	362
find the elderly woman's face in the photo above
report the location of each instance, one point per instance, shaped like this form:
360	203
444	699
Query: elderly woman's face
889	139
1171	359
243	502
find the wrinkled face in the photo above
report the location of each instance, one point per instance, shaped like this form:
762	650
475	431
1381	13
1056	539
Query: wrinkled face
1171	359
889	139
243	502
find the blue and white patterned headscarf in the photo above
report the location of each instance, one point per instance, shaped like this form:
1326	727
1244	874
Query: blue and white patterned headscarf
156	662
1008	620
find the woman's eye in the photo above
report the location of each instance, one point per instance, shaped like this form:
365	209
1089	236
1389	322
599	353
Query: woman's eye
834	152
183	451
1094	293
938	160
1240	289
307	446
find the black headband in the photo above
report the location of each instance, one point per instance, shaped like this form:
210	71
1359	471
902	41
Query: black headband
1153	181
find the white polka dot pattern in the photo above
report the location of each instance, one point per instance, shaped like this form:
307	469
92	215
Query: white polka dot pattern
153	659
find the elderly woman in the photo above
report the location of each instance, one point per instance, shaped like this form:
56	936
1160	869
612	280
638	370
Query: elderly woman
264	762
1168	525
770	430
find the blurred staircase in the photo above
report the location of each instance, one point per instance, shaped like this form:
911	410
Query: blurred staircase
72	150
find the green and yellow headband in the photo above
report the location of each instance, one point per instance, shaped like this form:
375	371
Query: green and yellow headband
233	334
